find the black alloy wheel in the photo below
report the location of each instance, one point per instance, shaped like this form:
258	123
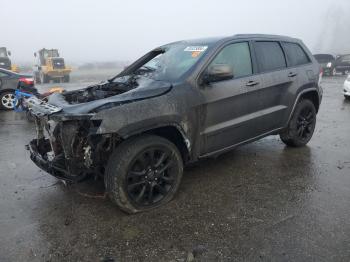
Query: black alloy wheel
301	127
151	176
143	173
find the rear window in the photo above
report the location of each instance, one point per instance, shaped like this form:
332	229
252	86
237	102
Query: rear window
323	58
295	54
270	56
3	74
345	58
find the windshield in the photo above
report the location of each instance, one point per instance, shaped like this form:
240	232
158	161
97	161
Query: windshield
51	53
324	58
3	52
171	61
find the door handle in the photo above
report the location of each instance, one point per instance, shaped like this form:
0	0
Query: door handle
252	83
292	74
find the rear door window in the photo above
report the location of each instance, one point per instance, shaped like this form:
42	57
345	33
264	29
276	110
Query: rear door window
295	54
270	56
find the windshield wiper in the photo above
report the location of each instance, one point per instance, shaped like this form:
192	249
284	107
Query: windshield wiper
147	68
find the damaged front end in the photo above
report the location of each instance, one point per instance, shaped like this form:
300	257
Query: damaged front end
68	144
69	148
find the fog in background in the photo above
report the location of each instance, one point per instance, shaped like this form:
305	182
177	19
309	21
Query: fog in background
91	31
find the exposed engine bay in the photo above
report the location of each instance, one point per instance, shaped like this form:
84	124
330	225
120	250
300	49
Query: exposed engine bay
102	90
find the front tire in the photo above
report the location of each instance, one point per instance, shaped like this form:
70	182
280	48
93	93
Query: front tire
37	78
143	173
301	126
66	79
44	78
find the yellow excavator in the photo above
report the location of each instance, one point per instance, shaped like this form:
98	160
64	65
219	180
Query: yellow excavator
50	66
5	61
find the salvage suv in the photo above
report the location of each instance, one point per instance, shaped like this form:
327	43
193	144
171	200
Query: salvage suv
179	103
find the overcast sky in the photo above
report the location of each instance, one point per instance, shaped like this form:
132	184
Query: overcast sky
107	30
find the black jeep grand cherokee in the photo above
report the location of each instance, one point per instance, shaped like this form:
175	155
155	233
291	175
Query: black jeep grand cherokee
178	103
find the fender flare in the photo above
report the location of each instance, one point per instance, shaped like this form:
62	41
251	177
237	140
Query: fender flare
148	129
311	89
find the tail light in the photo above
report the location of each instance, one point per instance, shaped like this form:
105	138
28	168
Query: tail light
27	80
320	76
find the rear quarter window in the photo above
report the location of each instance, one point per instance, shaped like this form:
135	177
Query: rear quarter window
270	56
295	54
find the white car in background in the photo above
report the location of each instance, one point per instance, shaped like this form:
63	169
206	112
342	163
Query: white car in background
347	88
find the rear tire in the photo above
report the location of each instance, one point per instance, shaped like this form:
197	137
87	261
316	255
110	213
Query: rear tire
143	173
347	97
301	126
334	72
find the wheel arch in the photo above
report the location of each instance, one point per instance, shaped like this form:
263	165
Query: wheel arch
7	90
310	94
313	96
171	132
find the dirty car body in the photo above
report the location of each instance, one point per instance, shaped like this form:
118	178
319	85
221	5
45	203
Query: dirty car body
185	92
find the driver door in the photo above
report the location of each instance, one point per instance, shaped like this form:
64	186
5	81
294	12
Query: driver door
228	107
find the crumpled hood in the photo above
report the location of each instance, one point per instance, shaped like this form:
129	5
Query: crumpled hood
147	88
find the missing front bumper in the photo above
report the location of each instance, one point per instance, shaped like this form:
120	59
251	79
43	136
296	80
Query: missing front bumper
36	147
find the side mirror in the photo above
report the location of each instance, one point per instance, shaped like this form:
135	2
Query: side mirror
9	53
218	72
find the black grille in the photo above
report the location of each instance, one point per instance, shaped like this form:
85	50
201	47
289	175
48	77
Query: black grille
58	63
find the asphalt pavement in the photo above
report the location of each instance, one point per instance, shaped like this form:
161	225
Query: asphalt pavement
260	202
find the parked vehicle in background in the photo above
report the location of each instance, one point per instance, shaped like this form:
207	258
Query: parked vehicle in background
5	61
9	82
50	66
342	64
346	90
327	62
179	103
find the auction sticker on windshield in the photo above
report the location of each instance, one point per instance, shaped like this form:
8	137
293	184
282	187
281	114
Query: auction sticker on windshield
196	48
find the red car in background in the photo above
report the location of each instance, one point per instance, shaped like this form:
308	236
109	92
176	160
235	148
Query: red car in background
9	82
